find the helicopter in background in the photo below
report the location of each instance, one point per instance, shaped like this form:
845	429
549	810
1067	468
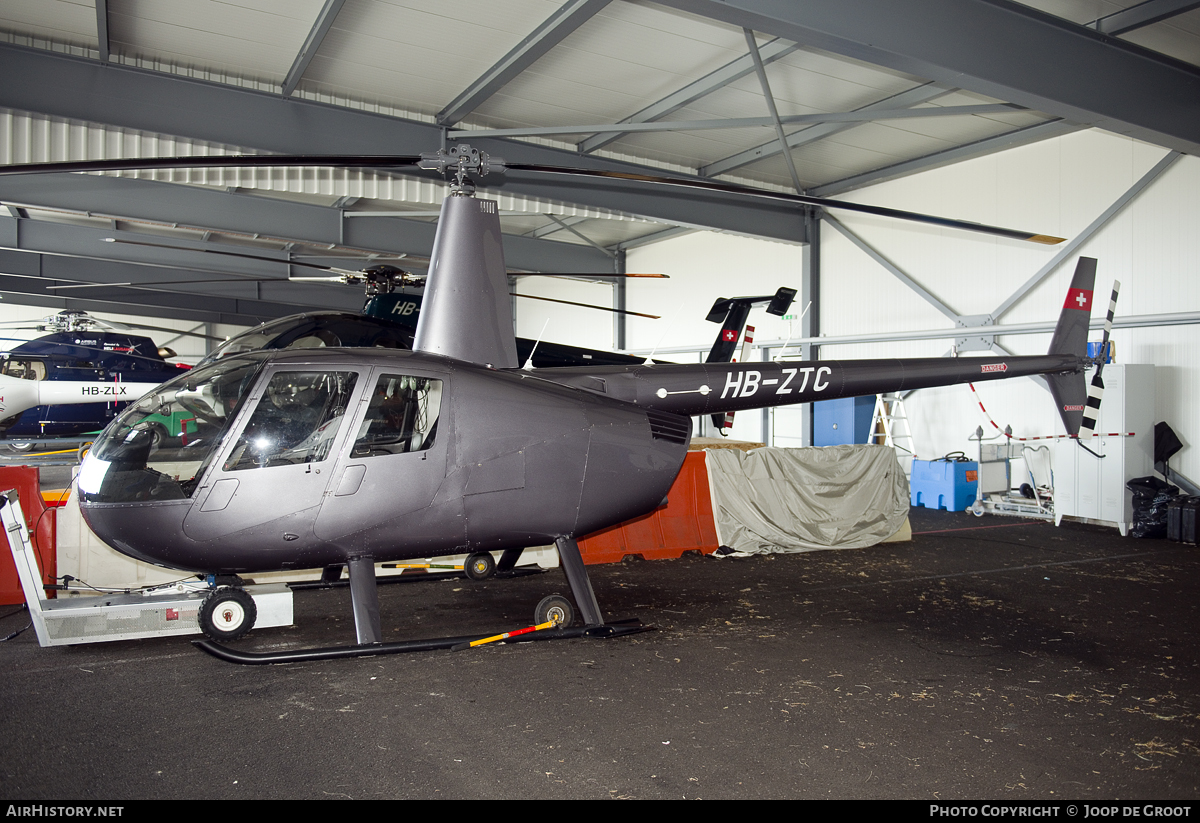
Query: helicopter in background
99	355
389	320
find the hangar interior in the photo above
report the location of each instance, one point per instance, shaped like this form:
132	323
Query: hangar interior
1013	664
1061	117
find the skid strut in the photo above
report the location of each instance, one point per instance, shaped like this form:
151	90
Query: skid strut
577	577
365	602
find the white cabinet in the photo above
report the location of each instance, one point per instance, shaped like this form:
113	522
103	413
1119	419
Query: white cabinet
1093	488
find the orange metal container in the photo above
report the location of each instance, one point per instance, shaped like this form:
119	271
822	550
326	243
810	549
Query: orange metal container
684	524
42	532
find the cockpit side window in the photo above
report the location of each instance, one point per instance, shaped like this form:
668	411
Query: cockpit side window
296	420
401	417
24	369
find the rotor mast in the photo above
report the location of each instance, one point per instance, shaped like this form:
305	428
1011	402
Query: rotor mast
466	312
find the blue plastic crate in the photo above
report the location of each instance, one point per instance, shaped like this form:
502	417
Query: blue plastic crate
940	484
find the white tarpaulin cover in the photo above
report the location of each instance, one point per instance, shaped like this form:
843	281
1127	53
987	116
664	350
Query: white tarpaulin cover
798	500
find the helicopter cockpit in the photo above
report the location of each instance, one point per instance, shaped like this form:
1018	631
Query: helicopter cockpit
160	447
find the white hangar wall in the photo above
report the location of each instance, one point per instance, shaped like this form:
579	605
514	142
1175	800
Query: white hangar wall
1054	187
703	267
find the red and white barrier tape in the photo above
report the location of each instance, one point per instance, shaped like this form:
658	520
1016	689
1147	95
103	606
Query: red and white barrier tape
1042	437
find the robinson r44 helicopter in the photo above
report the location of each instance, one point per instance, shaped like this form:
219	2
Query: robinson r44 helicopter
304	458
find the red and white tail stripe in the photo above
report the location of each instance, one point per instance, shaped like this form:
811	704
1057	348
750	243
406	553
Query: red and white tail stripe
1096	390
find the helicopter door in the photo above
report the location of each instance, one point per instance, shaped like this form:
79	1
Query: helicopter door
395	466
280	461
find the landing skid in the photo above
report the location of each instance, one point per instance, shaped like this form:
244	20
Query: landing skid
364	600
618	628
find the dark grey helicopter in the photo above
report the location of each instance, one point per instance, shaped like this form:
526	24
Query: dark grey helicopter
314	457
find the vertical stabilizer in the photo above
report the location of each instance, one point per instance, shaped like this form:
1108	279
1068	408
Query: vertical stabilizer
1070	337
466	313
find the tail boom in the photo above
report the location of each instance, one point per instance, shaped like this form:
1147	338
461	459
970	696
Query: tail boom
719	388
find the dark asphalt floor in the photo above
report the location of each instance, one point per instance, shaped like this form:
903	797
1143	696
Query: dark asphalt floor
989	658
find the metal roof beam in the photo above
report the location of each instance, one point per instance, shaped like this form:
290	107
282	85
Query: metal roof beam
1064	70
167	272
549	34
897	102
102	28
858	116
719	79
74	88
658	236
312	43
761	71
1141	15
556	225
25	275
217	210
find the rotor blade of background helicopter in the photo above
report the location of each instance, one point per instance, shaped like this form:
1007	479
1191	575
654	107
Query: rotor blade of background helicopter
178	331
357	273
224	161
35	325
178	282
113	325
587	305
583	274
791	198
233	254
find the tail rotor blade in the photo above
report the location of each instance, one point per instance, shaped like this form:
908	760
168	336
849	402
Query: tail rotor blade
1096	390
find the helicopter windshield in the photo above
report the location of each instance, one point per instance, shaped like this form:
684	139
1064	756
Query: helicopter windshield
159	447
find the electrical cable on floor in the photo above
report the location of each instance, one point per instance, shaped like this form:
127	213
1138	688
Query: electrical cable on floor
18	610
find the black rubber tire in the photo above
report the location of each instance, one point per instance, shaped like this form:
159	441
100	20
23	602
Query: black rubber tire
554	605
227	614
479	566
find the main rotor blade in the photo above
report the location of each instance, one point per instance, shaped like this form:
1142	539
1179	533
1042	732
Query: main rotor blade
804	199
224	161
398	161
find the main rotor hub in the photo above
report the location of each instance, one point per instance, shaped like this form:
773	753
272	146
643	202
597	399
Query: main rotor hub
459	161
69	320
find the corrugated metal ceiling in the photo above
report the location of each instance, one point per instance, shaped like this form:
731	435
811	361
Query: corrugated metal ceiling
414	58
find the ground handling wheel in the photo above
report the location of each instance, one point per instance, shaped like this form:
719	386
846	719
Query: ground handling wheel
479	566
557	608
227	613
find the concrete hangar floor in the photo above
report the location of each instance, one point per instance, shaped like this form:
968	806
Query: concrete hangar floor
989	658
